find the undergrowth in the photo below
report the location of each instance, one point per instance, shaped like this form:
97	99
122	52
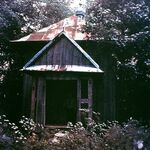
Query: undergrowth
111	135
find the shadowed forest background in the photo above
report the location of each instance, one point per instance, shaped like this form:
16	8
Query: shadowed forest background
123	24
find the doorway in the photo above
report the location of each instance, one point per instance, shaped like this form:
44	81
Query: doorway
61	102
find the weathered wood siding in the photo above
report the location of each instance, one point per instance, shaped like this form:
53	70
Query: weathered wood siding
63	53
27	92
104	90
104	95
40	101
102	54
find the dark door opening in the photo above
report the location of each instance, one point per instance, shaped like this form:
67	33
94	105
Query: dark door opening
61	102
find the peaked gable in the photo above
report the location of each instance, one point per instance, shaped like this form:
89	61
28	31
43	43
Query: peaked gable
61	51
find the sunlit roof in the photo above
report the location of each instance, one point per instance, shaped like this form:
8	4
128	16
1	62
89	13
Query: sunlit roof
72	27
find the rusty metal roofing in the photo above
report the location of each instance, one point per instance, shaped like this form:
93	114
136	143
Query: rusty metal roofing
28	66
72	26
70	68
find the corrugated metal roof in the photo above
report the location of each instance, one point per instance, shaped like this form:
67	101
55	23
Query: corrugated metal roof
72	26
73	68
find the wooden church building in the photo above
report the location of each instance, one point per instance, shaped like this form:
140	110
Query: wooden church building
62	82
61	79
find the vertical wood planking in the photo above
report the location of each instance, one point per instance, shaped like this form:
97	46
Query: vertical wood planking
44	102
90	97
55	51
78	100
40	105
33	98
44	59
71	49
37	102
27	89
67	47
58	52
63	56
75	57
63	53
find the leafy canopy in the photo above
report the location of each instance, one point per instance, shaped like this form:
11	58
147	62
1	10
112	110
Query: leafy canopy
17	19
126	24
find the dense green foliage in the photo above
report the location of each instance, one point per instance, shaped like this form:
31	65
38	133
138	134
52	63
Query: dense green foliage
127	25
94	136
124	23
18	18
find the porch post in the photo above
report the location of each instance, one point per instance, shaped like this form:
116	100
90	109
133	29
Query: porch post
90	97
78	100
40	104
33	99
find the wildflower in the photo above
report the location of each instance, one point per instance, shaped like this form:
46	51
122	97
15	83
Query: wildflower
140	144
17	131
6	120
14	127
21	121
25	138
16	141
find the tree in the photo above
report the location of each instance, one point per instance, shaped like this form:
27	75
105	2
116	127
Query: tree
126	24
18	18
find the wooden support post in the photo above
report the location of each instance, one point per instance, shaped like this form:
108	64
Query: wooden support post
33	99
44	102
40	105
90	97
78	100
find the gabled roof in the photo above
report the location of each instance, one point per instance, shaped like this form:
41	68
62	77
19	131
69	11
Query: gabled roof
28	66
71	25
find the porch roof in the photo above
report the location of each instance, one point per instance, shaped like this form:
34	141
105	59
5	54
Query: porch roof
69	68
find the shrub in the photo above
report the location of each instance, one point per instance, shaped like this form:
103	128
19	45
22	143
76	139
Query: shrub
10	134
93	136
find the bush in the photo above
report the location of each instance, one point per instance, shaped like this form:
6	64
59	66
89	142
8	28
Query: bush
10	135
93	136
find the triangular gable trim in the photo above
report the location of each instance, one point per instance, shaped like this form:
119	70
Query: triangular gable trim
51	42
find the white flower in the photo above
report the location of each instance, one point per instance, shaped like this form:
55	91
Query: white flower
17	131
140	144
25	138
17	141
55	140
21	121
14	127
6	120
